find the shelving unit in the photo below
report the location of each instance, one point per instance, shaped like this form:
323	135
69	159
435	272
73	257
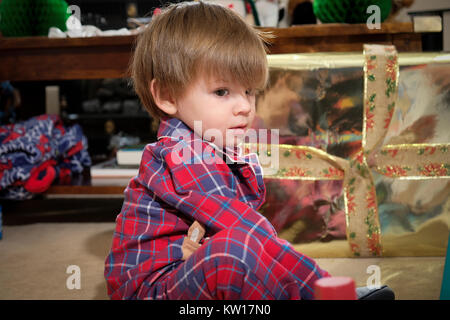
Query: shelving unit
87	116
41	58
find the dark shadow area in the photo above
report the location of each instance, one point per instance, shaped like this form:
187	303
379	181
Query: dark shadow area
60	210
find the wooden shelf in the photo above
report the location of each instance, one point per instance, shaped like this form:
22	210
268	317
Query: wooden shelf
87	189
340	37
86	185
42	58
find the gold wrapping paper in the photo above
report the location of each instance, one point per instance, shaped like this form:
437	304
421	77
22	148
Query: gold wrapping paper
403	161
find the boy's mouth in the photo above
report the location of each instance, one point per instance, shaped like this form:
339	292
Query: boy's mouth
240	129
241	126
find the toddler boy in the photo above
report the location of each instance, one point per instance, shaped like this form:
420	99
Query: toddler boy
189	226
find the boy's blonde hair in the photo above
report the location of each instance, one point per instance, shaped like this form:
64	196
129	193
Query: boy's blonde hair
192	38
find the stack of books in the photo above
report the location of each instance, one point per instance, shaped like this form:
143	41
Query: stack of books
119	170
111	169
130	155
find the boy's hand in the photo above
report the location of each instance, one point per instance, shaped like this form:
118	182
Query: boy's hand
196	232
191	242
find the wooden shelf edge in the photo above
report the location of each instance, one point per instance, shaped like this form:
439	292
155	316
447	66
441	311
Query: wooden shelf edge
42	58
312	30
339	29
13	43
76	190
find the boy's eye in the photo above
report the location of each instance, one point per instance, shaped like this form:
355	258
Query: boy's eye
250	92
221	92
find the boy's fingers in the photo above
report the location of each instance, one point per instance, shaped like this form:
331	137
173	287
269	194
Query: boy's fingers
196	232
189	247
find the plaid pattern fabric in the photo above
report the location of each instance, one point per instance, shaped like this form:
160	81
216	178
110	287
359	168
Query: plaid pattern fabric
182	179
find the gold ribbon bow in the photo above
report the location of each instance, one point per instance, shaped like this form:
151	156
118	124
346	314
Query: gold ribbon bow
405	161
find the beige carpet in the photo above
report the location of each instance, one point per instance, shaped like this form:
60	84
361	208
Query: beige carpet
34	259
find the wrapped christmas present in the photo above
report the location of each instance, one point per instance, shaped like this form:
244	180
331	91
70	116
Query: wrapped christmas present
360	149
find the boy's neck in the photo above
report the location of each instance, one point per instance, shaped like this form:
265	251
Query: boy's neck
175	128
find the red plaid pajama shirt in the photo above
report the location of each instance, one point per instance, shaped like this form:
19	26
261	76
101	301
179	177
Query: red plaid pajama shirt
183	179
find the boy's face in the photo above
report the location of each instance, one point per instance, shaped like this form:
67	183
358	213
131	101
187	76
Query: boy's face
220	111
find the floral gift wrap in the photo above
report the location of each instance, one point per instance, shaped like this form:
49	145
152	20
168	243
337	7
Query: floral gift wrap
362	149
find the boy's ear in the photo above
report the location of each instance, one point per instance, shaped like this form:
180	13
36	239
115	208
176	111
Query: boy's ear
162	98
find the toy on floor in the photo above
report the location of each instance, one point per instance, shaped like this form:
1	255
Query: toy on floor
343	288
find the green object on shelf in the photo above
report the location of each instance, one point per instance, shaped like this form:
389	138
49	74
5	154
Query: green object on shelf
445	288
255	12
349	11
21	18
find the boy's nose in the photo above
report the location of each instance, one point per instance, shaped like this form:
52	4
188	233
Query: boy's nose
242	106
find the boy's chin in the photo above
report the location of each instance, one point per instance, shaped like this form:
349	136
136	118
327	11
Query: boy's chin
222	145
230	142
234	143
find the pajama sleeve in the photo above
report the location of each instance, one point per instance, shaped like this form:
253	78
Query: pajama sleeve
189	191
